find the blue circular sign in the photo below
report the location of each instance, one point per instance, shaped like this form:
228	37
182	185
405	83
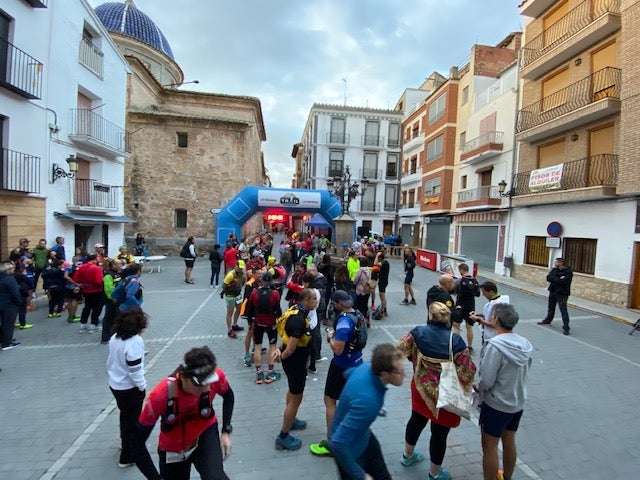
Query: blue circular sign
554	229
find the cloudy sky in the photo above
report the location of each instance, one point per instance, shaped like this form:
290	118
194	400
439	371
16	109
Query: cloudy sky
293	53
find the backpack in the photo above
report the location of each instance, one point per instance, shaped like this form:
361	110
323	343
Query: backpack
119	293
185	253
370	286
360	332
264	304
469	287
281	323
375	313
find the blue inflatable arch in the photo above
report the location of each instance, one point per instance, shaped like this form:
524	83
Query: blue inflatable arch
254	199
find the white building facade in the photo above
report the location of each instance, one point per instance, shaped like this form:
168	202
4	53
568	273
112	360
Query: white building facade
62	97
368	142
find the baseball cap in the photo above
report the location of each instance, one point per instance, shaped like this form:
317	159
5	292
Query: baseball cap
267	278
202	375
489	286
98	245
342	297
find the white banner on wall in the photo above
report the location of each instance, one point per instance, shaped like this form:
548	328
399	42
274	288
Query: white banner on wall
545	178
280	199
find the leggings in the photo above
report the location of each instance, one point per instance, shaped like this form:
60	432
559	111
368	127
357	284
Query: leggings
438	442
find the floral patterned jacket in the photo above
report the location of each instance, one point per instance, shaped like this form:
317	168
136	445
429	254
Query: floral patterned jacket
427	346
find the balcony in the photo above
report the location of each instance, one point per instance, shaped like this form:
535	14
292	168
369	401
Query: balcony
393	143
479	198
19	71
338	138
333	172
584	26
534	8
91	56
95	132
415	141
414	175
90	195
592	98
19	172
589	178
391	173
375	141
369	206
487	145
37	3
372	174
390	206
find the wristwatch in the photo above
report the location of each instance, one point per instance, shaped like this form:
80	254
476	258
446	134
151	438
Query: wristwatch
227	429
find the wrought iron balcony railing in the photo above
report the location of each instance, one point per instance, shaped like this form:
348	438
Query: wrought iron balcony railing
372	141
487	138
604	83
19	71
88	123
369	206
594	171
389	206
371	173
91	56
93	194
574	21
19	172
338	138
475	194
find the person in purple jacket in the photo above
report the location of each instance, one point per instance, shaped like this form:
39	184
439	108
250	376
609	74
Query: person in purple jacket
355	448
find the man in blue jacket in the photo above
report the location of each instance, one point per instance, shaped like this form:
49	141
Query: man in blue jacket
355	448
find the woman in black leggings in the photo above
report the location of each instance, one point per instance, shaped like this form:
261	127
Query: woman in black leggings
427	346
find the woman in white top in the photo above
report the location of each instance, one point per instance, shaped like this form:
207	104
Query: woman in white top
125	367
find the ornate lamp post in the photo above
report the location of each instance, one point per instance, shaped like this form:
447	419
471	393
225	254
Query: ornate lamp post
345	189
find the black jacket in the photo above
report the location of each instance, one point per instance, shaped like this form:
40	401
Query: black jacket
437	294
560	281
9	292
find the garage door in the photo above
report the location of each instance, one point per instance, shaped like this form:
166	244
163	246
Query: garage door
480	244
438	237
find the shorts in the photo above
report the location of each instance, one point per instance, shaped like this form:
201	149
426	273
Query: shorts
408	278
382	287
230	301
295	368
494	422
72	295
188	262
260	330
335	381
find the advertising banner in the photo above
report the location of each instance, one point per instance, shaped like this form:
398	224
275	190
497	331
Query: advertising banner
545	178
428	259
298	200
449	264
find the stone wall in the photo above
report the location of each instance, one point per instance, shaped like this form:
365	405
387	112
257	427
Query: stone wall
588	287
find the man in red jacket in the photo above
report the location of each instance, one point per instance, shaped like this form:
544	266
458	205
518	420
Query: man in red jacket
89	276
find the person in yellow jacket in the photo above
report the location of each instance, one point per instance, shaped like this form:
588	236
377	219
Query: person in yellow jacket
353	264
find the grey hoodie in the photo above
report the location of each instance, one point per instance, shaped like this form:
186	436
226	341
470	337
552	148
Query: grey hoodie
503	372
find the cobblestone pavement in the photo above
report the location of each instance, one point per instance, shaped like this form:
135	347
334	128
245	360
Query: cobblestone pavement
59	418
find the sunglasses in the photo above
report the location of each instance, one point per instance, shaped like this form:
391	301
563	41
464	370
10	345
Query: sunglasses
202	376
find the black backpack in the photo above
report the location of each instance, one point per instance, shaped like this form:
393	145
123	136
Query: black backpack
264	306
360	332
469	287
185	253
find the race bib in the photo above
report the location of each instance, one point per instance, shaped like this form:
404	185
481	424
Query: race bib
176	457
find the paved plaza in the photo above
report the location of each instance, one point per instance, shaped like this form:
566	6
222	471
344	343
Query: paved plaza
59	419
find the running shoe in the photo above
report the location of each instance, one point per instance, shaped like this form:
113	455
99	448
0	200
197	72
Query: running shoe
26	326
236	328
299	424
93	328
83	328
74	319
443	475
288	443
321	449
413	301
417	457
259	377
11	346
231	334
272	377
247	359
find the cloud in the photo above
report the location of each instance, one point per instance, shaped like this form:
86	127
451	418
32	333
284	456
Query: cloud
293	53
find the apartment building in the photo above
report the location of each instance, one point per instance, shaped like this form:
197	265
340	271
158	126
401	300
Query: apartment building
62	116
575	194
485	150
412	104
367	140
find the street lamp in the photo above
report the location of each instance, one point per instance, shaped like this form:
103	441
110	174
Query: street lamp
345	190
502	186
59	172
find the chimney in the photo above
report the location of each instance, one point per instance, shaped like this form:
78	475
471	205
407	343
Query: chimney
453	73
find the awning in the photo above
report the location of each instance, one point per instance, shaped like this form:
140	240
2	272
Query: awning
81	217
317	221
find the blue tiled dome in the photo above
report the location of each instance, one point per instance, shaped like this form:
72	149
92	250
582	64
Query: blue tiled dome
126	19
